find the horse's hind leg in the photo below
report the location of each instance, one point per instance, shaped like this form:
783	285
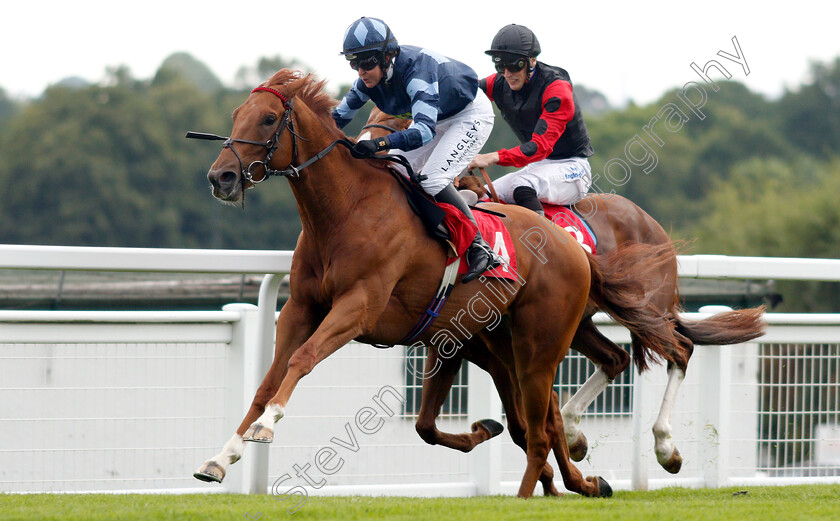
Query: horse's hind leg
610	361
292	331
436	387
666	452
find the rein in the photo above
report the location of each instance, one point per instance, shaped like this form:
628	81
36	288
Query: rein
494	197
380	126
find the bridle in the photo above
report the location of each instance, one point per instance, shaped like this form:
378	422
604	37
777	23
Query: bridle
286	122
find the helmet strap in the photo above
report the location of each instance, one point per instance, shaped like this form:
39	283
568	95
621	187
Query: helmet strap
530	70
388	68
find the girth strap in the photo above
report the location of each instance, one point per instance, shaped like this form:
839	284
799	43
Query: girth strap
432	312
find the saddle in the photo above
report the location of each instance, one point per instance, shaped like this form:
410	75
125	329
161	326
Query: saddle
440	221
433	215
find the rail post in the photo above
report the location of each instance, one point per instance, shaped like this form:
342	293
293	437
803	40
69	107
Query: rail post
259	355
485	459
715	405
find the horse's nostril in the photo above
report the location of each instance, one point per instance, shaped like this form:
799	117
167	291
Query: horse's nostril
224	180
227	178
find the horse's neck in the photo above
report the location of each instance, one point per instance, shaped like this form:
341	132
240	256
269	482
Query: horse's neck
335	192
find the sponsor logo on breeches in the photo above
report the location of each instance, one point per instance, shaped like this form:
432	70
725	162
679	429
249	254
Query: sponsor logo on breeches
575	172
463	146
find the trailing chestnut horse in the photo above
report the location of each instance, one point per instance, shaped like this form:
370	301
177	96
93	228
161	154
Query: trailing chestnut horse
615	221
365	268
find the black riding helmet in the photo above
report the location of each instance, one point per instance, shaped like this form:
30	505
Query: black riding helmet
513	47
516	40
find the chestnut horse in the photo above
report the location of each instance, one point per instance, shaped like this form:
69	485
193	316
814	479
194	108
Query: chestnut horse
365	268
614	220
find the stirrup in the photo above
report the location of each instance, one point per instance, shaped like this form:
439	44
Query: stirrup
488	261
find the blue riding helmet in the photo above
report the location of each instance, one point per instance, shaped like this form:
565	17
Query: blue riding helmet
366	35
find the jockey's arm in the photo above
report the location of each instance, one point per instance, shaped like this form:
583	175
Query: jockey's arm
484	160
558	110
349	105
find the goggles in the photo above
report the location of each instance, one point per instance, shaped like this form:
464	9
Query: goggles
367	63
514	66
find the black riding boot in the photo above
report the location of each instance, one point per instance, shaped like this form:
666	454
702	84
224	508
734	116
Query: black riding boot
480	256
527	197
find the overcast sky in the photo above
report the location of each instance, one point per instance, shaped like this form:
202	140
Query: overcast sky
627	50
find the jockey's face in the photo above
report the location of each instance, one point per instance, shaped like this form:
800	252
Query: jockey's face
372	77
517	80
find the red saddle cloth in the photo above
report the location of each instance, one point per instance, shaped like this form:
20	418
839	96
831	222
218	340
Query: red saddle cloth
494	232
567	219
564	217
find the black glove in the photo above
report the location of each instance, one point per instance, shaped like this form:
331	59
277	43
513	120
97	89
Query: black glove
369	147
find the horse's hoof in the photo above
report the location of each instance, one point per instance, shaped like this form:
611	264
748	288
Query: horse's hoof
578	448
492	426
210	472
258	433
674	463
604	488
551	491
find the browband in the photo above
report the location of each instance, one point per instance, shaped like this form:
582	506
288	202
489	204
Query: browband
275	92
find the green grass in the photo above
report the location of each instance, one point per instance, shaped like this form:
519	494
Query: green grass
807	502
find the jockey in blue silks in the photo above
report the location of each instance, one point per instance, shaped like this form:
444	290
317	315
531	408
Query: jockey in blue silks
452	117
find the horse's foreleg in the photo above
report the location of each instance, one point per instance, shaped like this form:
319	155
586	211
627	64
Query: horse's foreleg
592	486
538	349
347	319
610	360
509	395
573	411
534	388
294	326
666	453
215	468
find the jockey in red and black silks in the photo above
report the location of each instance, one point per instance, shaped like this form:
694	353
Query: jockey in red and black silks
538	102
543	115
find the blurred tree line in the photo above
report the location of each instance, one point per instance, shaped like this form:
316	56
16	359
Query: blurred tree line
108	165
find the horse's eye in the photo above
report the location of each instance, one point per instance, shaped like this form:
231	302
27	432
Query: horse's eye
270	119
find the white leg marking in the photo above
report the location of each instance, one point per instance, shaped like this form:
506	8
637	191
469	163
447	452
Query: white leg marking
231	452
663	445
270	416
578	403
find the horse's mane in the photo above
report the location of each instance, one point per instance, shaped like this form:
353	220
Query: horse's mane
312	93
319	102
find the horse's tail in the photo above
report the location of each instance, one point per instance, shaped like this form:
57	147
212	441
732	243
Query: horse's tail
729	327
619	281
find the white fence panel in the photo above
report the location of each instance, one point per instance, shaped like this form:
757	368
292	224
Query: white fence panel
136	401
114	404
